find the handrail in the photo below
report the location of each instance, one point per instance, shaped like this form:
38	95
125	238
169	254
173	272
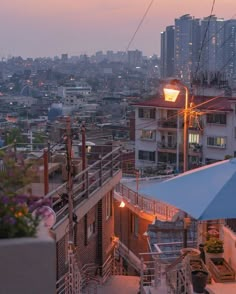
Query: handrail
150	206
86	182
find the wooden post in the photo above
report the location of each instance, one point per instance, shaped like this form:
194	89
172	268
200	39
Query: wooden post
45	171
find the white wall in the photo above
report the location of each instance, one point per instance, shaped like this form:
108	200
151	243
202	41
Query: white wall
230	247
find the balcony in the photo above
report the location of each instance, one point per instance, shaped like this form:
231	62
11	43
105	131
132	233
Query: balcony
170	148
195	149
168	124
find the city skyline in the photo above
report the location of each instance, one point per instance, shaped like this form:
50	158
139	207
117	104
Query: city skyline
50	28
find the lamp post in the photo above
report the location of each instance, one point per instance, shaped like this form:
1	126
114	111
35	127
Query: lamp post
171	95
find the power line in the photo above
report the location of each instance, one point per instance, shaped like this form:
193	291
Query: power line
204	38
139	25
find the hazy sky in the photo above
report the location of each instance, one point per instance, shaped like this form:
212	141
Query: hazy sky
33	28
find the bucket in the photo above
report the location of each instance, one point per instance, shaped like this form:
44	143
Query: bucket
199	280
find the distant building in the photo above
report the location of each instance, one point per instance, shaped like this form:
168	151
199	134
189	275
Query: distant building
74	88
134	58
167	52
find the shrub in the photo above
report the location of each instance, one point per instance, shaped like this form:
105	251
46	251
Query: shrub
16	218
214	245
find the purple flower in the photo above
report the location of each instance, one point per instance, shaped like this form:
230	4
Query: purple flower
9	220
21	199
5	199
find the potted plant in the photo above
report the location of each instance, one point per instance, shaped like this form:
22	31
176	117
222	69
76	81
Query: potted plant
214	245
27	252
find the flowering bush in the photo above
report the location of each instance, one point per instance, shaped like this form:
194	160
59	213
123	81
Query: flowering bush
214	245
16	218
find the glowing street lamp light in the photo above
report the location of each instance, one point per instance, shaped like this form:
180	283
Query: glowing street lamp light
122	204
171	94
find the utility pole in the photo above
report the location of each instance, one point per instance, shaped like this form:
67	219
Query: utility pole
69	178
83	147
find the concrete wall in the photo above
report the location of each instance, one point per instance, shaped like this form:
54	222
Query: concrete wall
28	265
230	247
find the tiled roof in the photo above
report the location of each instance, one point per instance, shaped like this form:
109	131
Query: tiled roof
204	102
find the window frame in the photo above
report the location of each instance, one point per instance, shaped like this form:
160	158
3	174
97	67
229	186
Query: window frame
216	145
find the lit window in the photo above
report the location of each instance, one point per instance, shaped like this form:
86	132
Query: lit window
148	135
218	142
193	138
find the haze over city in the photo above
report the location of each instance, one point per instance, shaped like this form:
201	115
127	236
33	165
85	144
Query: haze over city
48	28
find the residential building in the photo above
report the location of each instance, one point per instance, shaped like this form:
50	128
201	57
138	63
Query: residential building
159	131
230	50
186	46
74	88
212	40
134	58
167	52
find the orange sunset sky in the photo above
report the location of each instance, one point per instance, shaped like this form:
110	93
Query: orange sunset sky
33	28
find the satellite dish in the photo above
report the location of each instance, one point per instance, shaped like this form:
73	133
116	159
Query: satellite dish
47	216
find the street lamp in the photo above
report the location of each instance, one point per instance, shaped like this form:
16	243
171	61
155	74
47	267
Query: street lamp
171	94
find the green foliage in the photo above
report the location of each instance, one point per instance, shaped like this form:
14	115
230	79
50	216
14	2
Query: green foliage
214	245
16	218
14	135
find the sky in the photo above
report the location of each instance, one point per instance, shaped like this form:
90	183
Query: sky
47	28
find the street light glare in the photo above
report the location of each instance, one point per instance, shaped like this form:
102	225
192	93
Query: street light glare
171	94
122	204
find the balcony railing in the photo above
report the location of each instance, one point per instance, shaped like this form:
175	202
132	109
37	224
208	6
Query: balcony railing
154	207
163	145
168	123
86	182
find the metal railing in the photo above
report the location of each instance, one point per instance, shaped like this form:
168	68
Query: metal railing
150	206
86	182
154	272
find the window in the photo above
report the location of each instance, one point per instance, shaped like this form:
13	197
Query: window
193	138
147	113
219	142
108	200
134	224
148	135
216	118
91	229
147	155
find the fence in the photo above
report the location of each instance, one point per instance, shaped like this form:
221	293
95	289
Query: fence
150	206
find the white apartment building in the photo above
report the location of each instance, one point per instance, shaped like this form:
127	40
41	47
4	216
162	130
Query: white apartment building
74	88
159	131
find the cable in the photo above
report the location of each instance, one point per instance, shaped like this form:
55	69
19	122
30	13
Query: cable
204	38
139	25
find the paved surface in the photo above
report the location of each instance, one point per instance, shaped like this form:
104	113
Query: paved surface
120	285
221	288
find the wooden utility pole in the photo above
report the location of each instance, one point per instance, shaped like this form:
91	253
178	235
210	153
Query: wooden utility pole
45	171
69	178
83	147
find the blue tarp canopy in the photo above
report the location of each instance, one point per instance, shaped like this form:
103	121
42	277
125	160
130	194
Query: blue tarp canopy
205	193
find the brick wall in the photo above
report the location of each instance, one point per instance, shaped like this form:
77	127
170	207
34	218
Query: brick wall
93	236
129	233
